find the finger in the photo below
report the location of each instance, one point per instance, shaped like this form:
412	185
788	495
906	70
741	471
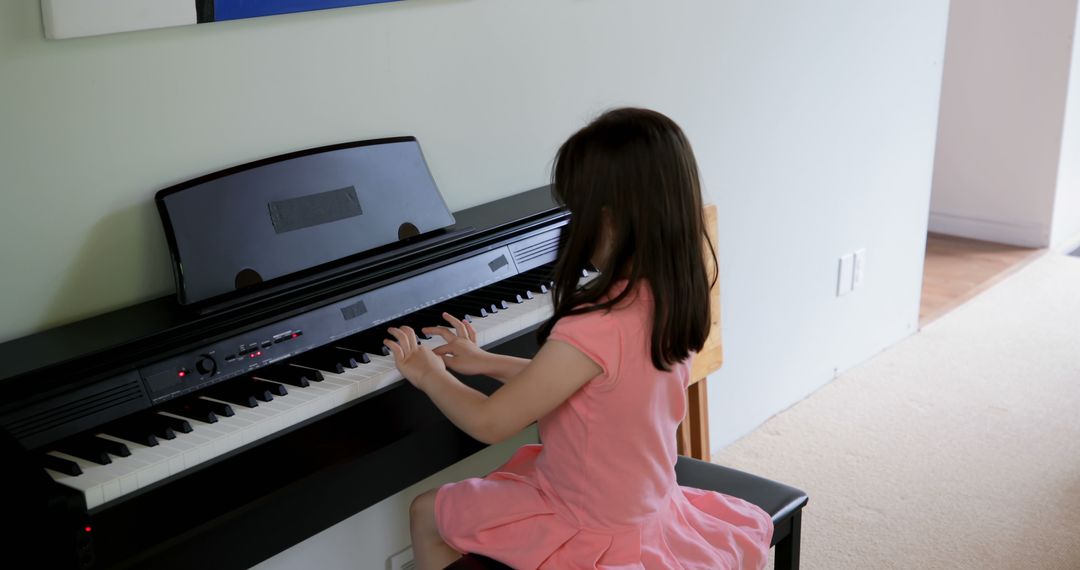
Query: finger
442	350
470	331
395	349
410	335
459	327
442	332
402	339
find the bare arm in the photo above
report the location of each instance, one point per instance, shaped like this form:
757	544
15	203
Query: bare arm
557	371
505	368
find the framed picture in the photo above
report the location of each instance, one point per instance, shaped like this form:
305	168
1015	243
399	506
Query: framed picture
75	18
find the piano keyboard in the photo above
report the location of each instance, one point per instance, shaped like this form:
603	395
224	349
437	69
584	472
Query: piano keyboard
182	434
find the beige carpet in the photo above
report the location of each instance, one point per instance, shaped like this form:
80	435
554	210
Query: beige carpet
956	448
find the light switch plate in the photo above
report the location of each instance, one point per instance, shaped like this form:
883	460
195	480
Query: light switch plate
843	280
859	269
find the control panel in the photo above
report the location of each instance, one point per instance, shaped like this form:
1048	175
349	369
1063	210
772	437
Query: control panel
248	351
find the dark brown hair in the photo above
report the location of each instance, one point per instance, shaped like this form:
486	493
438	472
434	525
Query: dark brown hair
636	167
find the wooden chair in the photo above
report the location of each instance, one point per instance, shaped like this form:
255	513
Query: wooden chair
693	434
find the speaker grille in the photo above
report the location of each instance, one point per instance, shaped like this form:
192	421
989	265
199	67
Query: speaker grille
76	411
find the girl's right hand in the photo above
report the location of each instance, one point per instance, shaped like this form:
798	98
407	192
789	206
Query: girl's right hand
461	353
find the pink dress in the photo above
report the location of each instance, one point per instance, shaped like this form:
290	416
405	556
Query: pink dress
600	492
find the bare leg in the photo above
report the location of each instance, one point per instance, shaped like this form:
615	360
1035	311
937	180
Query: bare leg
428	547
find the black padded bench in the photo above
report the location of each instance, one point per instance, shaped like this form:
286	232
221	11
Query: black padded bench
782	502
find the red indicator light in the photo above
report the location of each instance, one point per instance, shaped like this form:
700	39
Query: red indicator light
181	374
252	355
87	529
294	335
258	353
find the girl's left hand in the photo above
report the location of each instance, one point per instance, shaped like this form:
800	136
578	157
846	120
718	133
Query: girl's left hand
416	363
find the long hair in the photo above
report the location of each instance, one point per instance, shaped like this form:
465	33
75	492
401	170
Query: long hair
635	168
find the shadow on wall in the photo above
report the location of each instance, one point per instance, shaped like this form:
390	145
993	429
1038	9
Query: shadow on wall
123	256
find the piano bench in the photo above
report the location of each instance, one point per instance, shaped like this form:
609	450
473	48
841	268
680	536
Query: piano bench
782	502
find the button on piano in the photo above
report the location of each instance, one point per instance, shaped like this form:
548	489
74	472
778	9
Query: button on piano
258	406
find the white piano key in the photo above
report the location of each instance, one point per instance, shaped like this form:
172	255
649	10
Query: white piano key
110	490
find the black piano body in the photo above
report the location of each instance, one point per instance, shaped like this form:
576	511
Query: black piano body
260	498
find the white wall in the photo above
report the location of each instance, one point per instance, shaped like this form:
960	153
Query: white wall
1002	108
814	124
1066	219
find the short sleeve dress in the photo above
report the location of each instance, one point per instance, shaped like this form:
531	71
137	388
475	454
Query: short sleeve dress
600	492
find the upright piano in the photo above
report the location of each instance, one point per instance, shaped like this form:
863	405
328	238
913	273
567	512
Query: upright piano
223	425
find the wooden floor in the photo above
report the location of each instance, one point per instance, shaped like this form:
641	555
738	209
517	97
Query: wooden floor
957	269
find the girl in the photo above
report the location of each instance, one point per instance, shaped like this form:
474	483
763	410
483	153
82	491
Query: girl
607	386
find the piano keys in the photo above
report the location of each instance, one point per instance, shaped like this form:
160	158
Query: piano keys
242	411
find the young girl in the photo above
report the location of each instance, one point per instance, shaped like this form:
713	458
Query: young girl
607	386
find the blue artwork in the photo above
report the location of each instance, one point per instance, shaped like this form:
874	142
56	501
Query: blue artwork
236	9
75	18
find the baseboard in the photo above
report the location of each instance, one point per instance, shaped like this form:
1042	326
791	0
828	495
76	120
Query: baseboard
1068	245
1023	235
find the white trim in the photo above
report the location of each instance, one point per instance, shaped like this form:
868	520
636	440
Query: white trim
1024	234
1069	245
75	18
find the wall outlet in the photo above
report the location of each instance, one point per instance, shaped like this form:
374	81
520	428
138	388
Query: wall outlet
843	279
859	270
403	560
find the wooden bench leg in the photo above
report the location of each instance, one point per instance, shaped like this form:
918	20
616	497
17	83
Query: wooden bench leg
787	550
698	418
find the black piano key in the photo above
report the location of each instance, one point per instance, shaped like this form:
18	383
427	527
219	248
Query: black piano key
467	309
484	301
369	341
430	317
194	408
232	394
262	394
152	423
133	432
222	410
291	375
361	342
497	298
245	388
273	387
60	464
88	448
417	326
528	283
361	357
162	424
407	321
514	294
322	360
487	301
114	447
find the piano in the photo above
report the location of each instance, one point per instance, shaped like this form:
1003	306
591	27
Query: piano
258	407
